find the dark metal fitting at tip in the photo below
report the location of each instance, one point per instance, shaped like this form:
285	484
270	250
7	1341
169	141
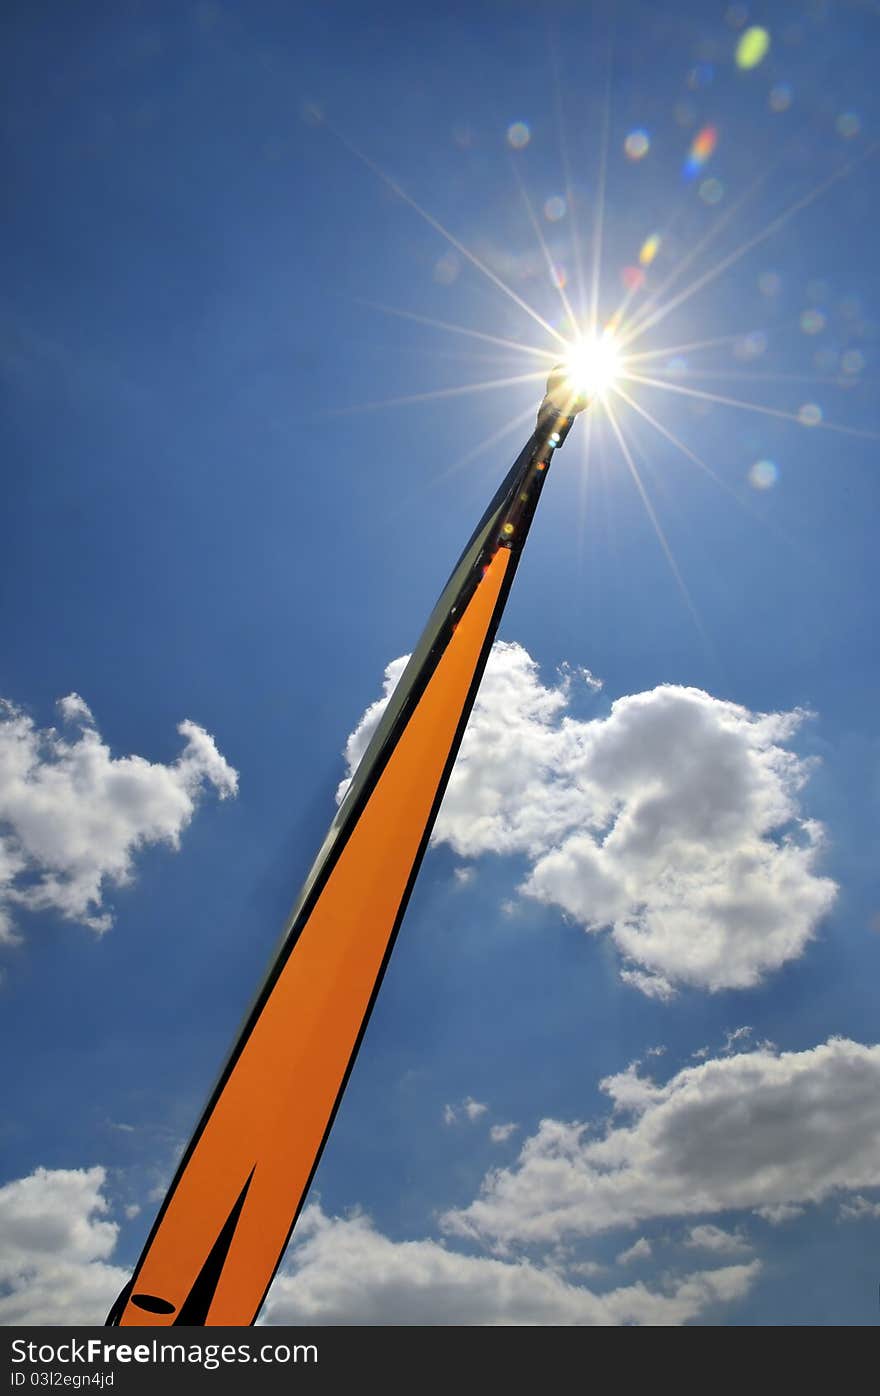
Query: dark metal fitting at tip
560	406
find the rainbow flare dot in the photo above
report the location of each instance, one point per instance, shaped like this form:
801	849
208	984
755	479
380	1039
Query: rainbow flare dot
518	135
637	144
702	148
763	475
633	278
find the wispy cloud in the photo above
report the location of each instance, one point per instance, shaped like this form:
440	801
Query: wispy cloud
640	1250
717	1240
499	1134
469	1110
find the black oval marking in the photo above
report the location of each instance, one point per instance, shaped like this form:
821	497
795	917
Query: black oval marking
152	1304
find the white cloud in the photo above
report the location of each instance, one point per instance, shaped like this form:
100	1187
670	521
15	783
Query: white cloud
674	821
471	1109
499	1134
779	1212
54	1245
465	875
360	738
739	1036
73	816
744	1040
640	1250
341	1271
474	1108
652	985
753	1130
75	709
859	1209
717	1240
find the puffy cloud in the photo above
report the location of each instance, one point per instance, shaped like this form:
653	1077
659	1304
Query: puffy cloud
54	1245
341	1271
674	821
499	1134
73	816
752	1130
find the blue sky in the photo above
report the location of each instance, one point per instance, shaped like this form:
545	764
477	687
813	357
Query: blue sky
219	512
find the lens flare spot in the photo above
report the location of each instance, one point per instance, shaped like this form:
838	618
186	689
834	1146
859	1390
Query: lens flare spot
848	125
700	76
753	47
555	208
810	414
763	475
853	361
559	278
637	144
702	148
736	15
650	248
769	284
446	269
712	192
518	135
633	278
780	97
812	321
750	346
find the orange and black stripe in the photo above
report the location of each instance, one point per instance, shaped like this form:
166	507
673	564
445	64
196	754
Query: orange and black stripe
229	1212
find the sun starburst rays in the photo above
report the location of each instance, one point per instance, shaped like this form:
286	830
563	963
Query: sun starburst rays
614	359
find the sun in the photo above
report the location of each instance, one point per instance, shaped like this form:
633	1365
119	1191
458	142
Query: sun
593	365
